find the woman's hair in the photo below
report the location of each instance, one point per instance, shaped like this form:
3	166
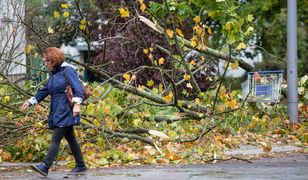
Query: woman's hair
54	55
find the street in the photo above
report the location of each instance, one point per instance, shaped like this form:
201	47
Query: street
292	166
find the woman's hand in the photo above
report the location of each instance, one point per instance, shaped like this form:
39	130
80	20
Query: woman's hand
76	109
25	105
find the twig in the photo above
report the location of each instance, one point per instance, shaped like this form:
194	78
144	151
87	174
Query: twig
231	158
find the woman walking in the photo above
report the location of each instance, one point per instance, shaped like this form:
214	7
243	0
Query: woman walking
62	117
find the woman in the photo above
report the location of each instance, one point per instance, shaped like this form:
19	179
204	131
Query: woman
61	117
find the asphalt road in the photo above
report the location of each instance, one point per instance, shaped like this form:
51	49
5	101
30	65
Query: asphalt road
293	166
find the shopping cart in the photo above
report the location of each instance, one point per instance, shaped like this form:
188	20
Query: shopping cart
263	86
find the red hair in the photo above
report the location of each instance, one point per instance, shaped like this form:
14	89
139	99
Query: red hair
54	55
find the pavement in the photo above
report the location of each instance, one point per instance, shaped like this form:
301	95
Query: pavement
288	164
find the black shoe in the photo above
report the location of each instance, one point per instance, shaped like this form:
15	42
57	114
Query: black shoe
78	170
41	168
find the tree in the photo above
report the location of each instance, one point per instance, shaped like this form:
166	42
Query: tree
155	66
271	20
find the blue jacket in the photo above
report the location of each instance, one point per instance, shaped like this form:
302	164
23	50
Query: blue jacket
60	115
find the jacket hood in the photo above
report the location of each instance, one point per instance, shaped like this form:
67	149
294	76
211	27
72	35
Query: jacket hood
65	64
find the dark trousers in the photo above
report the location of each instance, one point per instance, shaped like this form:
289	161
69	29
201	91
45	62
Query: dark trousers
58	134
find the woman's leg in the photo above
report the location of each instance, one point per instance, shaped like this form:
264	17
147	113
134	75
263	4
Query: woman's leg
57	135
75	148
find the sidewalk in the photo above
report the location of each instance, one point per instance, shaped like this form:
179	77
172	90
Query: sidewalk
291	165
253	150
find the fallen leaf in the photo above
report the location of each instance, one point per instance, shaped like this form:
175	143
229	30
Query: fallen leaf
124	12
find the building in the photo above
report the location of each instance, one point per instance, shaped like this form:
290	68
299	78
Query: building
12	39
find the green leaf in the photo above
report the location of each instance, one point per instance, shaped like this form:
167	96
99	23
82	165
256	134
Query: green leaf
115	109
301	90
306	96
103	161
303	80
100	142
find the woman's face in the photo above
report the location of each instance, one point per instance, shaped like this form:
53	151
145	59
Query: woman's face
48	63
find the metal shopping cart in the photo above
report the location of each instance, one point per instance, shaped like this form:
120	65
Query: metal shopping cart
263	86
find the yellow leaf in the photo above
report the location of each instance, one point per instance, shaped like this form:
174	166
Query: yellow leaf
90	109
228	26
254	122
143	7
180	33
241	46
126	76
211	13
131	156
150	56
161	61
200	46
202	58
38	125
96	92
197	101
6	99
141	88
150	83
6	156
83	21
66	14
124	12
106	110
160	87
193	62
221	108
82	27
10	114
250	18
234	65
96	122
56	14
186	77
223	95
266	147
232	104
275	121
248	31
136	122
180	103
209	30
145	51
199	30
28	48
150	160
233	93
170	33
197	19
64	6
193	43
169	97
